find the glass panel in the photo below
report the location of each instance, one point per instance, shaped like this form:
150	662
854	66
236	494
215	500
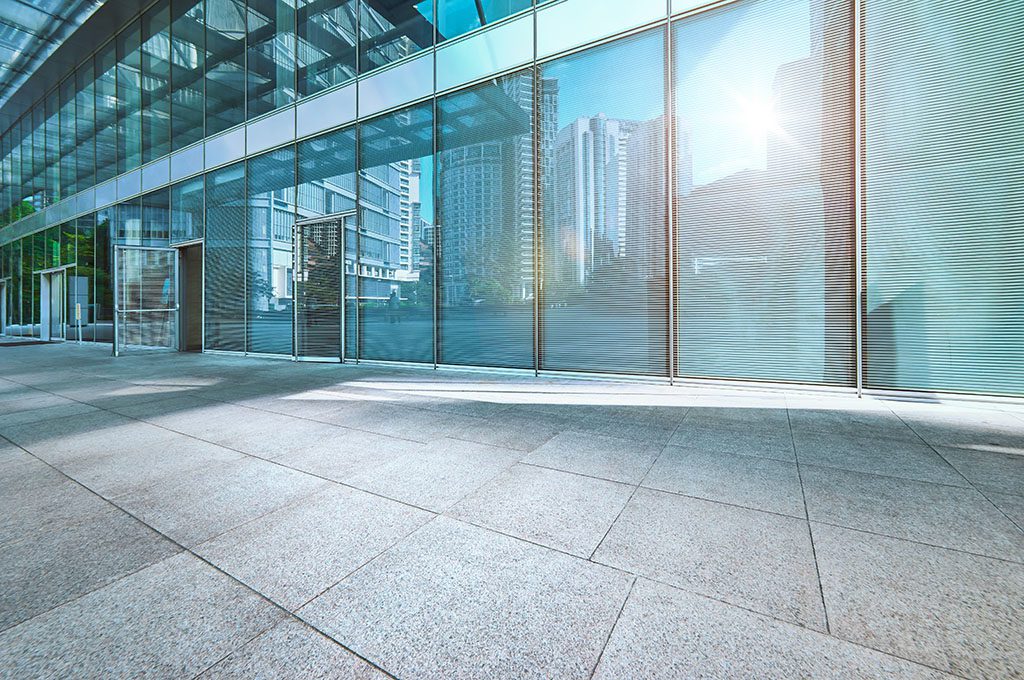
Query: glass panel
186	68
485	215
104	321
156	102
39	155
225	64
106	113
224	287
156	218
604	302
498	49
327	186
456	17
187	210
318	288
573	23
85	112
147	289
326	44
53	138
271	217
945	168
68	140
270	60
764	187
129	98
127	223
392	30
396	217
82	280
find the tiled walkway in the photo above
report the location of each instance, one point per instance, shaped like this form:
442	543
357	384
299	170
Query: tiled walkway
187	515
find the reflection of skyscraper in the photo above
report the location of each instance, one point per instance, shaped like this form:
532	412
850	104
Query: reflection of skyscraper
488	212
591	181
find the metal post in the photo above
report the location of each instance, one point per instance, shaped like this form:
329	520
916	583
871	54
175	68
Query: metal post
859	192
670	193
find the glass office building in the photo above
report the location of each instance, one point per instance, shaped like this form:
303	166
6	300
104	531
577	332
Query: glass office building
824	192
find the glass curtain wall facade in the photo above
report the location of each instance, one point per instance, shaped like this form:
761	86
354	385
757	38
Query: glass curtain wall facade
655	189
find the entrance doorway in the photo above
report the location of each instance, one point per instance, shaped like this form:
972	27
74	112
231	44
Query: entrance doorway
53	310
145	298
190	293
319	273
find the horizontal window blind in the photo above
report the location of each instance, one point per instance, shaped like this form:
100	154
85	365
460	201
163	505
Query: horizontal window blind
945	196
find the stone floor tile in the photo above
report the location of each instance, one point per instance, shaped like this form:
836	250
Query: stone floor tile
612	458
191	508
758	483
172	619
871	423
399	421
513	432
1011	505
40	417
741	413
35	496
437	475
292	650
350	453
745	557
506	608
667	633
889	457
295	553
770	441
989	470
940	607
947	516
557	509
65	560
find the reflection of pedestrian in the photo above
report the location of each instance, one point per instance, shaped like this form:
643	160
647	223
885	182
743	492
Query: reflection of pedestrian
393	302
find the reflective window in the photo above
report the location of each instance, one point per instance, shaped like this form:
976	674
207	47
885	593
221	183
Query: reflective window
764	205
66	141
156	77
945	235
270	218
104	321
326	45
456	17
604	302
485	217
39	153
396	220
187	210
105	63
327	186
270	58
82	280
225	64
53	137
186	67
224	249
155	218
129	98
85	112
392	30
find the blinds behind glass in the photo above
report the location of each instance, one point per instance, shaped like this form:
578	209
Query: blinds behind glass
485	259
764	197
602	146
224	287
945	196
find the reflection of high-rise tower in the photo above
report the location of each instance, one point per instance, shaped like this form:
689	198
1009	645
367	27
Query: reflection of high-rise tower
486	198
590	186
644	202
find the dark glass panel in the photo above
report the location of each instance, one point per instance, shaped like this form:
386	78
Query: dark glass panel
105	90
156	101
225	64
187	210
390	30
270	57
187	61
85	112
326	45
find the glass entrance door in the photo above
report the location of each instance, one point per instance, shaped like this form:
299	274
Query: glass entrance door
52	307
320	263
145	298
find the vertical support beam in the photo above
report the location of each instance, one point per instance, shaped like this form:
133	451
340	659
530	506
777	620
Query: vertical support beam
538	207
670	196
860	223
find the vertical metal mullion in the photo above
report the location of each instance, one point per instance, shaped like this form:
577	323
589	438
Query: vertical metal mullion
670	196
538	130
859	194
359	208
435	185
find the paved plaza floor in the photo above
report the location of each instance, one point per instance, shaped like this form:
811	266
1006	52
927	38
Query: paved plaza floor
183	515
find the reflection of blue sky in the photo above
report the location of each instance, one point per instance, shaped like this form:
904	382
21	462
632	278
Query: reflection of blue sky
726	58
461	16
624	80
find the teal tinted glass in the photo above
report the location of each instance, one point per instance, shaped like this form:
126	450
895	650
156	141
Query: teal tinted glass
224	252
945	197
456	17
